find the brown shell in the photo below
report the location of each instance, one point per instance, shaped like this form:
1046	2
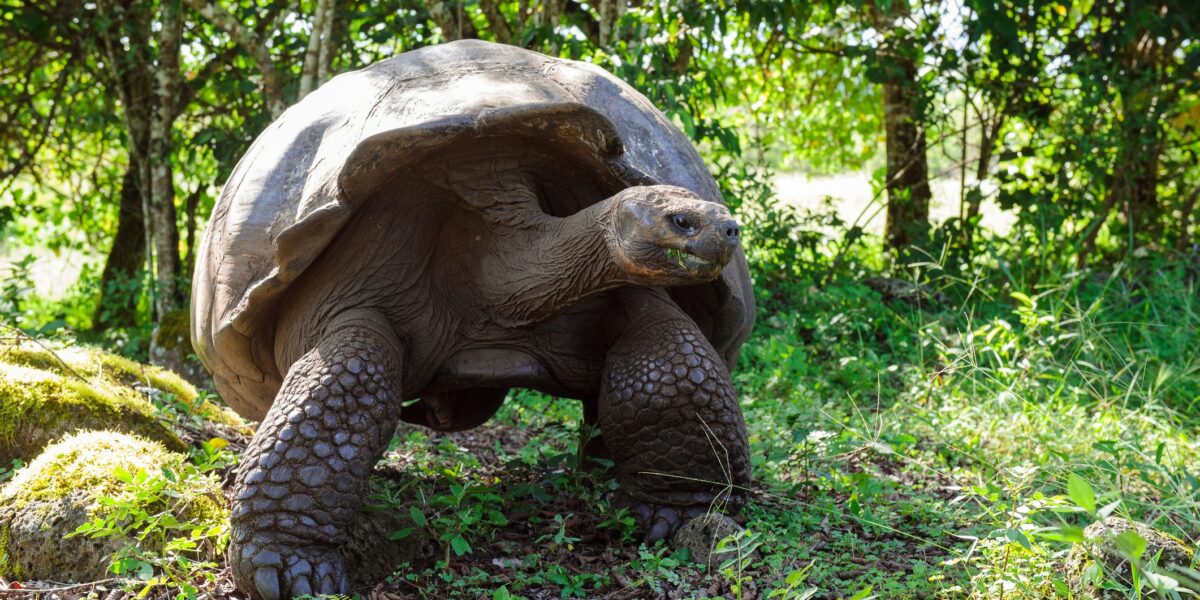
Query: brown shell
308	172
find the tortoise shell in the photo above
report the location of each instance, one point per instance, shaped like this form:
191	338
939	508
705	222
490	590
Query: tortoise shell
307	174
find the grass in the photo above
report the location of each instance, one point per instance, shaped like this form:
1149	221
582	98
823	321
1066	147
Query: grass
897	453
954	450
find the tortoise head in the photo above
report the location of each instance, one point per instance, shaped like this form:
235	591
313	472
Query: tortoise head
666	235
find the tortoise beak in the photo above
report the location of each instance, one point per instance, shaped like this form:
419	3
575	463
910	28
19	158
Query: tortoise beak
706	252
715	244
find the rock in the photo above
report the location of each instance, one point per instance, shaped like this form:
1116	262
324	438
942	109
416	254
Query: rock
58	492
1100	546
38	407
171	348
702	534
45	395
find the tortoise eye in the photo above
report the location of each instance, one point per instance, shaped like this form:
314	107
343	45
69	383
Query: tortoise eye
682	223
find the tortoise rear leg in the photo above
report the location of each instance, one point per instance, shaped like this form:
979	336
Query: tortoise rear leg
670	417
304	476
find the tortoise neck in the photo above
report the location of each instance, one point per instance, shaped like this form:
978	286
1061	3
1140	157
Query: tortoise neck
555	263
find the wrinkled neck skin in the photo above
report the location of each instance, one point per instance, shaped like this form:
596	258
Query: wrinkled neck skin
544	265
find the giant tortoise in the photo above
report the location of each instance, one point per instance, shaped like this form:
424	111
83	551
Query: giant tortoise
412	240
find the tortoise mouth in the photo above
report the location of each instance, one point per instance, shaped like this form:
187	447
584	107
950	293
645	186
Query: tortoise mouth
692	262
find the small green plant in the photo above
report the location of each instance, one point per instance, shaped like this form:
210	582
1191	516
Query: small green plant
7	473
174	531
620	520
794	580
463	512
213	455
739	547
559	538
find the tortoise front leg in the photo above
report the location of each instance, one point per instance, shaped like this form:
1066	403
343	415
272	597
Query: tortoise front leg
304	475
670	418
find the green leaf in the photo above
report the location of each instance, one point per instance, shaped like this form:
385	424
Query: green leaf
400	534
1018	536
1070	534
460	545
123	474
1108	509
1081	493
1022	298
1130	544
864	594
418	517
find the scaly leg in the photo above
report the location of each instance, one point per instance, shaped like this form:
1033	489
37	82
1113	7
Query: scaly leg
304	476
670	418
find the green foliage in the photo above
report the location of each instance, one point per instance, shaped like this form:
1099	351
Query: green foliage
17	286
6	473
173	529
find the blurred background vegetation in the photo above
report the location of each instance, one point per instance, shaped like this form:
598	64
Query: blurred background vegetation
1074	124
972	226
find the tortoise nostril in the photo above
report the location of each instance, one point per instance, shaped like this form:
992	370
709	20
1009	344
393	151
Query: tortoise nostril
731	230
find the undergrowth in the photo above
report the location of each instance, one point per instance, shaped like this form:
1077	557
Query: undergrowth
951	447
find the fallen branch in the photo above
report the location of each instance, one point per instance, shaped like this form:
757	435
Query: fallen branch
22	334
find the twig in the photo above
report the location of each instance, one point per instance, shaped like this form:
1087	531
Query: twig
47	349
65	588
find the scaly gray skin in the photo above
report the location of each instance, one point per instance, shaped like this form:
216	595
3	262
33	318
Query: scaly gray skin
664	402
669	417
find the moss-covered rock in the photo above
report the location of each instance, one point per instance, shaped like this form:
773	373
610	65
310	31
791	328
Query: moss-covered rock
1090	564
702	536
59	491
44	395
38	407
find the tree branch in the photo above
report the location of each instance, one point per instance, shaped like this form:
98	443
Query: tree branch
249	41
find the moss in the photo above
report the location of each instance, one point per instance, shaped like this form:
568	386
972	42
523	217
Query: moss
85	460
174	331
58	491
8	565
38	407
118	376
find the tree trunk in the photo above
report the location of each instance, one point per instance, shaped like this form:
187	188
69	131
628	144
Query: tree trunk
120	284
988	134
162	206
907	169
325	57
496	21
1136	178
1185	221
309	79
190	206
610	12
451	19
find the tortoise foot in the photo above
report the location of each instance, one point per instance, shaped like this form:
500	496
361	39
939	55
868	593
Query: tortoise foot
275	569
660	521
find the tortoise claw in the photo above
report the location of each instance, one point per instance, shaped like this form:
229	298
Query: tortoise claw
266	583
278	572
660	522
